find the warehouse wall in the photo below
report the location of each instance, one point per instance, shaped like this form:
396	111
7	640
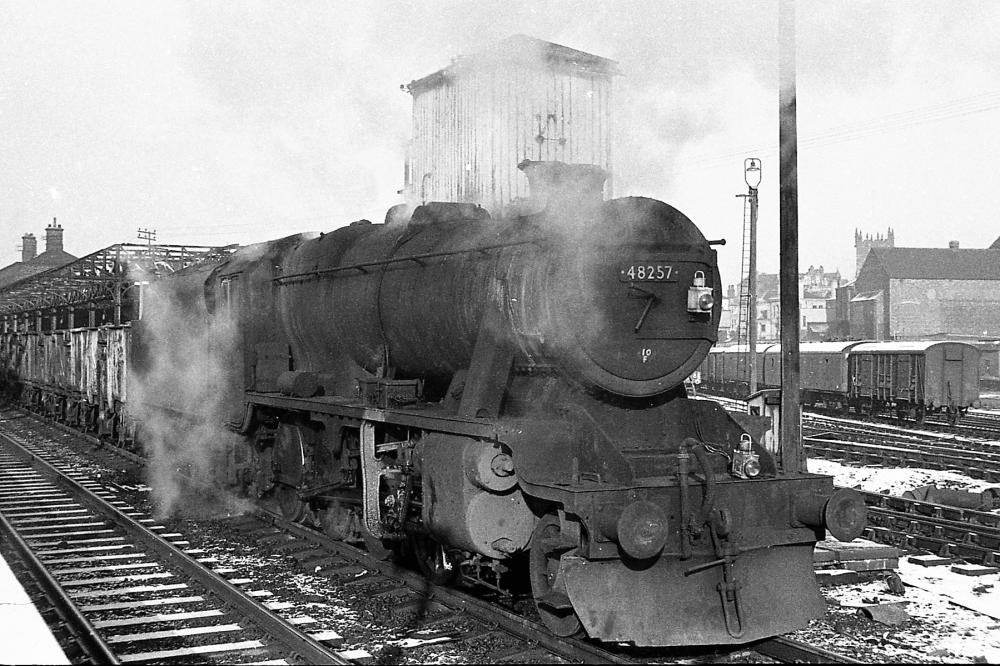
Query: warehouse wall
926	307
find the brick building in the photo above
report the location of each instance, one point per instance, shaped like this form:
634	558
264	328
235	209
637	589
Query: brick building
906	293
816	287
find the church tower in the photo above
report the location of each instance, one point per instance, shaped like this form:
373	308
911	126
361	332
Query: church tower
864	243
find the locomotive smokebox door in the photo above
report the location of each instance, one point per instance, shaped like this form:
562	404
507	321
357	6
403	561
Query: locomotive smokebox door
620	299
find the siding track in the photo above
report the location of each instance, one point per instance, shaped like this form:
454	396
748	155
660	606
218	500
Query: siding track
139	591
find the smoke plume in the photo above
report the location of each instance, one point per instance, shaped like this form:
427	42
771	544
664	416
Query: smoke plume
178	382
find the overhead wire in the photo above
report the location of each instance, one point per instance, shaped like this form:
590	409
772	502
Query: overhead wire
858	130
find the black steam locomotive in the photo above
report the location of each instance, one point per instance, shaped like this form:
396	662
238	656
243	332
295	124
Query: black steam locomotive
502	394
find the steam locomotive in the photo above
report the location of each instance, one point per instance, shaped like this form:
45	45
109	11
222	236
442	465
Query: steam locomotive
501	395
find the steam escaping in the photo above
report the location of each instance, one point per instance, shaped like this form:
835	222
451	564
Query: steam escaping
178	380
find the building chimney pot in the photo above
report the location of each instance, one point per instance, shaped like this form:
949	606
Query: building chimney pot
29	247
53	237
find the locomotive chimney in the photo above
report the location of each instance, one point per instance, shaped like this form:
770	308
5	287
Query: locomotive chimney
564	189
53	237
29	247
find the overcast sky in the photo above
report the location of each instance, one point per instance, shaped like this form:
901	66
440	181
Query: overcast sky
234	122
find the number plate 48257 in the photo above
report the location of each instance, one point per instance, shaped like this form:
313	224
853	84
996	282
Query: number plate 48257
647	273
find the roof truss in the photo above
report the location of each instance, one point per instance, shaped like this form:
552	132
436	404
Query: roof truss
102	276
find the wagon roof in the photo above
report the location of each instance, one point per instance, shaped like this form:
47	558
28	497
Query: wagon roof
740	349
906	345
822	347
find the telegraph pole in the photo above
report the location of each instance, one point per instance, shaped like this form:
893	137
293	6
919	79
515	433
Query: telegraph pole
751	173
792	458
148	235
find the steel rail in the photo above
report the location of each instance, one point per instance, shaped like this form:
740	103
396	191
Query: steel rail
917	440
83	632
791	651
971	425
888	455
300	643
969	534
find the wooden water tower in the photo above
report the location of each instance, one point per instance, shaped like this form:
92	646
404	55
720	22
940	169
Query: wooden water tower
477	119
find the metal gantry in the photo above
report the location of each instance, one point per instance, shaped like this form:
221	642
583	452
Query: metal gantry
101	277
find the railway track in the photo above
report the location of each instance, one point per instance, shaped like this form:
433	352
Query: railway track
916	439
133	595
890	446
858	444
962	534
975	424
426	609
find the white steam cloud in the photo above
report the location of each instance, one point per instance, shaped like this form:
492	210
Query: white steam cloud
178	382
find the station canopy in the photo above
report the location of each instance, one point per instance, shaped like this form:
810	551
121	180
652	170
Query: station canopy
102	277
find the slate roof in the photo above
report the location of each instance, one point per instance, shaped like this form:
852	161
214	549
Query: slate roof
935	263
43	262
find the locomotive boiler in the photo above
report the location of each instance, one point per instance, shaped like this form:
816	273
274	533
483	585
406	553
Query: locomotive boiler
506	396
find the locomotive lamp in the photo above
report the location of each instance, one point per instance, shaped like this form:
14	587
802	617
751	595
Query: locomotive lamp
700	297
746	463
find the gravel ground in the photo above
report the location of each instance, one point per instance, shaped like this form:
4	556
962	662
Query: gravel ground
938	628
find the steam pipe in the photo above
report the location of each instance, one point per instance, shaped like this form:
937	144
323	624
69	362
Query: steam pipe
701	454
683	468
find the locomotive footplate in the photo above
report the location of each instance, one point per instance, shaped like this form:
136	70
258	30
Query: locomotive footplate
669	601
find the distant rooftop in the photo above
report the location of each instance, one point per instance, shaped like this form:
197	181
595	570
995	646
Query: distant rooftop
936	263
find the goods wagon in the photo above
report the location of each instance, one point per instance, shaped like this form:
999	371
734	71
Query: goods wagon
910	378
725	368
914	378
76	376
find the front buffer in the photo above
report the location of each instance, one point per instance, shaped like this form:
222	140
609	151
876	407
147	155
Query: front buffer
762	593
